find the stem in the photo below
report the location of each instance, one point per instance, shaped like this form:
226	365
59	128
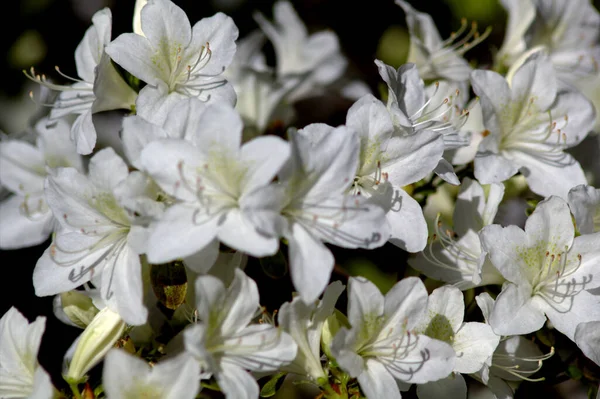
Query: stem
75	390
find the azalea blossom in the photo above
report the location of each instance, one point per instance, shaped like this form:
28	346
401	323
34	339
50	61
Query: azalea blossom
213	178
316	58
100	87
315	208
516	358
417	111
304	323
125	375
225	344
584	202
99	240
387	162
567	29
436	58
382	346
473	342
530	122
21	375
176	60
549	272
26	217
455	255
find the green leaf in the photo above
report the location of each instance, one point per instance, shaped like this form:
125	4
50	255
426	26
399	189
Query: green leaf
574	372
271	387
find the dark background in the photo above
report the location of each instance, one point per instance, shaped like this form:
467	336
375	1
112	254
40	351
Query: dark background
60	24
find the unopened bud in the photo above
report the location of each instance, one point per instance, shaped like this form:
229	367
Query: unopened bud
330	328
91	346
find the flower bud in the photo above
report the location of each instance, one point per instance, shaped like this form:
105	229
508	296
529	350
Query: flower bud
330	328
75	307
91	346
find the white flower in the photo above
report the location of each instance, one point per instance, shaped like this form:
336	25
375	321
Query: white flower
315	208
21	375
515	359
226	345
417	110
304	323
455	256
387	162
381	346
473	342
530	122
98	240
213	177
569	30
521	13
436	58
315	58
175	59
262	97
100	87
128	376
584	202
548	272
26	218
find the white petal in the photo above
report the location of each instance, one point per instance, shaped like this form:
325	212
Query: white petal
136	134
550	178
584	202
491	167
405	304
236	382
155	103
534	78
201	261
51	279
19	231
447	301
122	287
408	159
494	94
239	233
408	226
502	244
172	164
567	314
587	337
90	49
365	301
474	344
550	225
377	382
135	54
265	156
220	32
311	263
445	170
110	89
166	26
219	126
107	169
516	312
427	360
261	348
178	234
22	167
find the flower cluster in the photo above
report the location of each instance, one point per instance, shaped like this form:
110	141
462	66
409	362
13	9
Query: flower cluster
150	235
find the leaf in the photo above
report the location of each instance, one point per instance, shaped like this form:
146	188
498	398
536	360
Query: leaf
271	387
